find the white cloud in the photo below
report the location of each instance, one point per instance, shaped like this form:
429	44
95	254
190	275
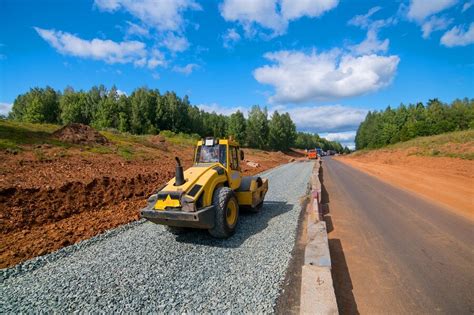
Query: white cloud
364	20
328	118
230	38
137	30
175	43
108	5
157	59
272	14
300	77
421	9
120	93
371	44
467	5
347	136
433	24
164	15
458	36
248	12
214	107
294	9
98	49
187	69
5	108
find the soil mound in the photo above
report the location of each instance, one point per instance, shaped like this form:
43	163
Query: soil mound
80	134
158	142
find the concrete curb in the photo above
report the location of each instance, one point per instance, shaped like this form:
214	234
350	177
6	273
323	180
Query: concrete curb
317	290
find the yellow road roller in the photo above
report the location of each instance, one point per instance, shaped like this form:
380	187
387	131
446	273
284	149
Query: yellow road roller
208	195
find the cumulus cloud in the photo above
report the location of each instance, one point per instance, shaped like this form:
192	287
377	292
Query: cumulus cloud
371	44
136	30
105	50
156	59
458	36
98	49
300	77
364	20
120	93
433	24
175	43
328	118
5	108
347	136
272	14
467	6
421	9
294	9
230	38
187	69
214	107
164	15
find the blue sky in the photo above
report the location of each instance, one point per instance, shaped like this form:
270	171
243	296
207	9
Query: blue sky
326	62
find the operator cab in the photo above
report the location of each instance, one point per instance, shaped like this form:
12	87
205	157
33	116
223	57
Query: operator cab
211	150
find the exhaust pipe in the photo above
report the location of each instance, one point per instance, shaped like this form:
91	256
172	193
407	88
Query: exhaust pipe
179	173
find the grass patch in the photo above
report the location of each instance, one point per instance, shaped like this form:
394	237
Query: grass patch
19	136
457	144
101	150
15	134
180	138
126	152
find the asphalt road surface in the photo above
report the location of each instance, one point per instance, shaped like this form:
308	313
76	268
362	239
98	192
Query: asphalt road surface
393	251
143	268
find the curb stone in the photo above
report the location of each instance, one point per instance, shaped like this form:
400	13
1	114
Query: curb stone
317	290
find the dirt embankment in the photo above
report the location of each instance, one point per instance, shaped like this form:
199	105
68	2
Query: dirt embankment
62	196
449	181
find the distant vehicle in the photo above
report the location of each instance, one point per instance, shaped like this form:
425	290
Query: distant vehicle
320	152
312	154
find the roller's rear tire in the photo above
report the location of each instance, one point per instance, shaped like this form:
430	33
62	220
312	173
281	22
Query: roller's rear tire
226	213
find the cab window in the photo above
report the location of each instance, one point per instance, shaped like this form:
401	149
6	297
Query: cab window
234	158
211	154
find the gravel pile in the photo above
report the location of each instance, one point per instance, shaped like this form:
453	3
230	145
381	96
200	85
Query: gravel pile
144	268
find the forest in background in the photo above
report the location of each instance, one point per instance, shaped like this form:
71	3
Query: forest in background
147	111
381	128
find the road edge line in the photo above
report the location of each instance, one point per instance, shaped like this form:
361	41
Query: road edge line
317	290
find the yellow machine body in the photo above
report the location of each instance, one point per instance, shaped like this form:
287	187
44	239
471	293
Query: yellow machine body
188	203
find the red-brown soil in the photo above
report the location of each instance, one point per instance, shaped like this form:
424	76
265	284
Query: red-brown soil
79	134
65	195
445	180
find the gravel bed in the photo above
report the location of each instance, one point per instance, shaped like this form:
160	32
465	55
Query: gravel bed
141	267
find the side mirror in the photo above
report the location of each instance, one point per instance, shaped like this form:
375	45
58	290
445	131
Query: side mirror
241	155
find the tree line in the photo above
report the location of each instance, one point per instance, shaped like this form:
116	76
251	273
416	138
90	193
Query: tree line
390	126
147	111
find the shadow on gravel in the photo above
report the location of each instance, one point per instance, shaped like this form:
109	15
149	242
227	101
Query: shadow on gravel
249	224
341	277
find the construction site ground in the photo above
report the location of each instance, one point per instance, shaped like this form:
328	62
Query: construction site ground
56	190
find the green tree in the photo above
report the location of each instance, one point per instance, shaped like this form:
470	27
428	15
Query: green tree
37	106
237	127
257	127
282	132
74	107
